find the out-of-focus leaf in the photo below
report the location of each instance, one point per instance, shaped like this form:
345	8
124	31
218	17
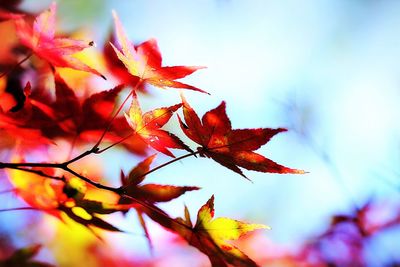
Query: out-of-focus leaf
23	258
42	41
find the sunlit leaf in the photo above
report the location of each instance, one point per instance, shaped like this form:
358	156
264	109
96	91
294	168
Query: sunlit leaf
231	148
42	41
144	62
148	127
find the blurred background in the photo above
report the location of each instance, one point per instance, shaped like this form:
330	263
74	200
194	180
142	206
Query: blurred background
328	71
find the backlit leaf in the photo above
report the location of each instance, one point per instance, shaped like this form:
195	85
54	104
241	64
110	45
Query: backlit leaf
144	62
231	148
42	41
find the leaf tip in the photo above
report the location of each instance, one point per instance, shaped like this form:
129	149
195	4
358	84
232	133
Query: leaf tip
301	172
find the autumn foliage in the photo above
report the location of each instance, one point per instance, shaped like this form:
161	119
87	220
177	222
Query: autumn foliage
39	110
69	105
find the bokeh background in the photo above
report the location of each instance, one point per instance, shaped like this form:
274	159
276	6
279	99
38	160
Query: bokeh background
326	70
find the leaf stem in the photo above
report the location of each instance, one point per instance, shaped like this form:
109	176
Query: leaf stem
116	114
82	155
158	211
169	162
20	208
114	144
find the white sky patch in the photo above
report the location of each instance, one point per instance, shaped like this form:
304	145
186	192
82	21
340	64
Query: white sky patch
367	118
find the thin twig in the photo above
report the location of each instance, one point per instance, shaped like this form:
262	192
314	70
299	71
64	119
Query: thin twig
82	155
168	163
116	114
114	144
16	65
20	208
97	185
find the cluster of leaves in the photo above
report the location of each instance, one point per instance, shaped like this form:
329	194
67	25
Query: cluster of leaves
37	113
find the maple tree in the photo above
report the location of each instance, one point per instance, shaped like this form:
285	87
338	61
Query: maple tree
36	116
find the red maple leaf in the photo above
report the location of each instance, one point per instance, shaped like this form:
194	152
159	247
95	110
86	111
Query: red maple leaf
42	41
149	193
144	62
24	120
86	119
232	148
152	193
117	68
147	127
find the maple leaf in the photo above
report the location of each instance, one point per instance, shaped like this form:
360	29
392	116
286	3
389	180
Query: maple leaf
85	211
144	62
55	198
232	148
23	119
86	119
147	127
36	190
149	193
210	235
117	68
42	41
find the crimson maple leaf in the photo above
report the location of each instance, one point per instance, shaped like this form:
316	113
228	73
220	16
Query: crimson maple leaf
86	119
149	193
23	120
232	148
147	127
144	62
42	41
